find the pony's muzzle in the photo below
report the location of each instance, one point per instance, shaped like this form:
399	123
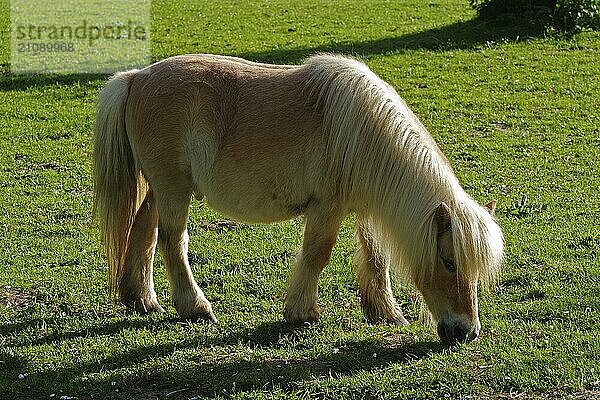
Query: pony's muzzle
453	331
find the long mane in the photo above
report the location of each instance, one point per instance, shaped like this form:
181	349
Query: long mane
387	165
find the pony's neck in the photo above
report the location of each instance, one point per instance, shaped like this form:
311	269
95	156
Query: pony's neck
402	193
411	180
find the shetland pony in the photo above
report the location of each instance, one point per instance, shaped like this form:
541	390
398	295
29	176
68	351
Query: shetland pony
265	143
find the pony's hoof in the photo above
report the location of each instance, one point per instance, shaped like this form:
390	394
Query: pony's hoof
144	306
400	320
299	317
203	316
376	316
200	311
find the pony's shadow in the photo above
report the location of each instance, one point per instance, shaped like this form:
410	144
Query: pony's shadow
235	374
102	328
266	334
286	373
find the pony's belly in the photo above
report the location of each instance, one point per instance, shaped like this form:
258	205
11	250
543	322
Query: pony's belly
248	208
252	201
258	184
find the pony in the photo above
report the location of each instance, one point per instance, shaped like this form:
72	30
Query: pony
264	143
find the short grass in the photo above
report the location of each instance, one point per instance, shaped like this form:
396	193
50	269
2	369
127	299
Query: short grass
518	115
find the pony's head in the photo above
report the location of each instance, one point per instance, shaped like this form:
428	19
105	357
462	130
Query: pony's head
468	251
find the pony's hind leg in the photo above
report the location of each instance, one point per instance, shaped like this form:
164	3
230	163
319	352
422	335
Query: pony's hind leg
320	234
173	239
377	301
136	284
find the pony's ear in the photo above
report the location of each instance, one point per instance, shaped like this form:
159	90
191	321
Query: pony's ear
491	207
442	218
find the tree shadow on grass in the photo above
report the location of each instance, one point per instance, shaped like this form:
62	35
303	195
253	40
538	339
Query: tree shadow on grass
462	35
209	376
24	82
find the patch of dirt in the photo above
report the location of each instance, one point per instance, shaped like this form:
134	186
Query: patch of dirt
15	297
501	126
220	226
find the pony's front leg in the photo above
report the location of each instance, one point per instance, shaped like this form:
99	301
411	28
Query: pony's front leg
173	239
376	297
136	284
320	233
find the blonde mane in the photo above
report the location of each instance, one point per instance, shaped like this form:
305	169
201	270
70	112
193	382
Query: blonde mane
387	164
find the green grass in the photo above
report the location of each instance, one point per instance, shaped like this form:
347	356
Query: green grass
55	31
516	113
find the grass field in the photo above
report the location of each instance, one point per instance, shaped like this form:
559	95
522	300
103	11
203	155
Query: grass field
517	114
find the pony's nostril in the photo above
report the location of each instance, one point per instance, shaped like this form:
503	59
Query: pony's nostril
460	333
472	335
444	332
452	333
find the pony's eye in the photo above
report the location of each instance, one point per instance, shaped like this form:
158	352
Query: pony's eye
449	264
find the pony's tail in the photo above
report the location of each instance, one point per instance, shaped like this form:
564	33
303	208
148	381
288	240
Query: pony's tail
118	182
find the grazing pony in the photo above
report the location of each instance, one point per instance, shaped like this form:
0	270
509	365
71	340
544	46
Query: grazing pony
265	143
